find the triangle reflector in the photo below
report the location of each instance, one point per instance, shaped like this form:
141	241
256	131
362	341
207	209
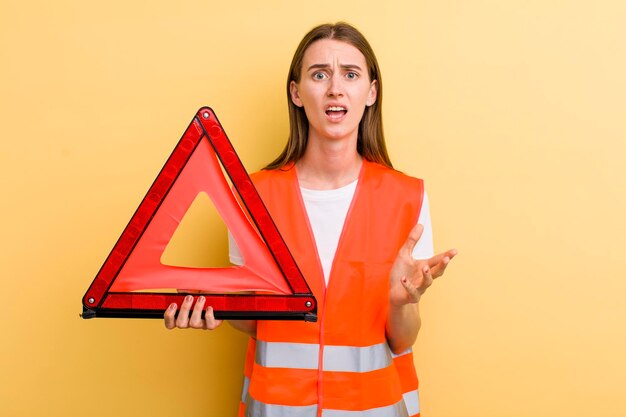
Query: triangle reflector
269	285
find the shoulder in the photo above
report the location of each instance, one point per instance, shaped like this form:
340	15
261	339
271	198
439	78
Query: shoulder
273	179
391	177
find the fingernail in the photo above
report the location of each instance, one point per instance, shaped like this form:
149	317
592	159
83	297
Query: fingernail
201	299
188	298
172	306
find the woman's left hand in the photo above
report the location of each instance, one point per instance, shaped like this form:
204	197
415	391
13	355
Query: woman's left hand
409	278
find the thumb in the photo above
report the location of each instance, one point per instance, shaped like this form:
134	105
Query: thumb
414	235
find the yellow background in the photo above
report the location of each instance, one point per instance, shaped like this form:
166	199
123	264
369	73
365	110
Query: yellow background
512	111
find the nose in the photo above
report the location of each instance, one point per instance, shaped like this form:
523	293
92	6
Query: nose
335	86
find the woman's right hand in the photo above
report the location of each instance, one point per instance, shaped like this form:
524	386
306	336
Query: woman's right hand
195	321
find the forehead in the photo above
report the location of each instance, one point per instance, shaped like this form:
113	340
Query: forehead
332	51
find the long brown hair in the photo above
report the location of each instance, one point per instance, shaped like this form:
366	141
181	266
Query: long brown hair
371	139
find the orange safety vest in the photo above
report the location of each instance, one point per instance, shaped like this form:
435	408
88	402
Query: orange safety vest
341	365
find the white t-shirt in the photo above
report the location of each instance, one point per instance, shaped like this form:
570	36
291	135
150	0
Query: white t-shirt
327	210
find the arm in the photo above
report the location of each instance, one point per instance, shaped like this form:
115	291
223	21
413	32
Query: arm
408	280
246	326
403	325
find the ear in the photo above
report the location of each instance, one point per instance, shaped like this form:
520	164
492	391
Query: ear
372	94
293	91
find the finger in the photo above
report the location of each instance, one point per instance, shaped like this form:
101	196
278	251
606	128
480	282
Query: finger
440	267
170	316
437	259
196	316
211	322
183	316
412	238
451	253
411	289
428	277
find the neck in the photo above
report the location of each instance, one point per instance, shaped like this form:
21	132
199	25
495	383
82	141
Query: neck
328	165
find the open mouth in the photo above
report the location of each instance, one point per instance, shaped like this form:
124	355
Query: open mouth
336	112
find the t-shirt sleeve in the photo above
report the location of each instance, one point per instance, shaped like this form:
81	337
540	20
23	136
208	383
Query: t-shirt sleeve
234	254
424	248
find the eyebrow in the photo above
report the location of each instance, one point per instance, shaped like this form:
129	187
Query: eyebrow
325	66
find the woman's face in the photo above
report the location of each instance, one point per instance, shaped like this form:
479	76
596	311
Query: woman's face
334	89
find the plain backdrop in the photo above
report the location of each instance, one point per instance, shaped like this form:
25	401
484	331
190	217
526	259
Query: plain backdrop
512	111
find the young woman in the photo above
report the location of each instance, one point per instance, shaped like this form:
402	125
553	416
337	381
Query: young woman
360	233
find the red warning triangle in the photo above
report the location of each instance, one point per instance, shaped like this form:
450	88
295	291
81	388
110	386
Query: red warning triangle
134	264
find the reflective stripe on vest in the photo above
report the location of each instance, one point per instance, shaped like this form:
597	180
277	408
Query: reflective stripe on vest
244	389
411	398
256	409
287	355
406	352
336	358
412	402
395	410
356	359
